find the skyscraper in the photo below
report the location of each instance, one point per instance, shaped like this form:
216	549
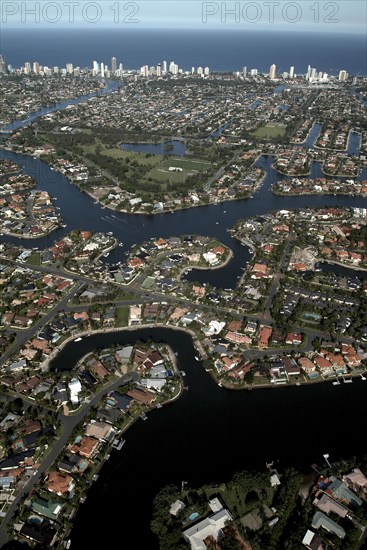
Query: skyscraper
2	65
164	67
173	68
291	72
272	72
27	68
69	68
343	76
102	70
36	67
245	71
113	65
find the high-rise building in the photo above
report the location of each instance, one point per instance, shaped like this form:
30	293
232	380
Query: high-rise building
159	70
200	71
308	76
56	70
113	65
272	72
343	76
206	71
173	68
69	68
3	68
244	72
164	67
144	71
36	67
285	75
254	72
291	72
151	70
313	73
27	68
192	70
102	70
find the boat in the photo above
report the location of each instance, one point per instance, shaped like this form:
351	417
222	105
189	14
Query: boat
143	416
336	383
77	339
363	377
197	358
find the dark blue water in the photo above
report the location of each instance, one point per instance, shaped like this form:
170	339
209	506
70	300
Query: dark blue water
79	211
109	87
177	442
174	443
179	148
312	136
354	144
221	50
342	271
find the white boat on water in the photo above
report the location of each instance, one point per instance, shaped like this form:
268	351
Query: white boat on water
77	339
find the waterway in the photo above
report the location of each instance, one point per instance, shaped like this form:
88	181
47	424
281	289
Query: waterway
210	432
110	86
178	148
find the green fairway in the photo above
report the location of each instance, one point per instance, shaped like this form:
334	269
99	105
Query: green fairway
188	167
270	131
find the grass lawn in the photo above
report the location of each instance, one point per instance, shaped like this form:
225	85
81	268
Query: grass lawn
122	316
189	167
270	131
34	259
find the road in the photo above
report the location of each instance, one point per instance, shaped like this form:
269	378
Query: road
68	424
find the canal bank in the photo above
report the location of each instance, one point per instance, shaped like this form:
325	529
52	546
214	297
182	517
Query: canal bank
194	437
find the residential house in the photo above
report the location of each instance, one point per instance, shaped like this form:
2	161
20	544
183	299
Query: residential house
210	527
321	520
59	483
264	336
327	505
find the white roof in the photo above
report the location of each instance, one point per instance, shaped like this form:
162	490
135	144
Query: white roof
210	526
215	504
156	383
176	507
307	539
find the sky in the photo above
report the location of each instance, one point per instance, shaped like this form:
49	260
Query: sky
302	15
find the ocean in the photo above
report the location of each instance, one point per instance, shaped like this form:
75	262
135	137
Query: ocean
220	50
